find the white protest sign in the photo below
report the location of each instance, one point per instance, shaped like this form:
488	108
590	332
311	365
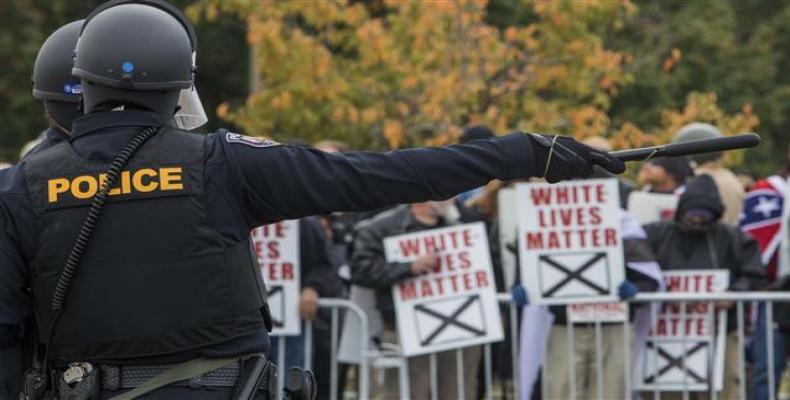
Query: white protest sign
598	312
454	305
648	207
569	239
684	353
277	248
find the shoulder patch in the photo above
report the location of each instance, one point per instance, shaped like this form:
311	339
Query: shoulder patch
236	138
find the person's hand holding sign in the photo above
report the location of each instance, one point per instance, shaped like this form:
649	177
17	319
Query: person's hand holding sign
724	305
424	264
308	304
561	158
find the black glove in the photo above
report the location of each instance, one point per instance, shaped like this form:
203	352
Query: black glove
562	158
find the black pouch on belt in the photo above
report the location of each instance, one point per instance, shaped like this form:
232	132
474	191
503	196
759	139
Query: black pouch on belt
85	387
257	379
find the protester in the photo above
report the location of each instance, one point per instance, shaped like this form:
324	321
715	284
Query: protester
762	219
484	207
318	278
698	239
730	188
665	175
370	269
747	181
642	275
322	281
781	345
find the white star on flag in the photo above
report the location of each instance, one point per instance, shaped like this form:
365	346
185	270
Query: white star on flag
766	207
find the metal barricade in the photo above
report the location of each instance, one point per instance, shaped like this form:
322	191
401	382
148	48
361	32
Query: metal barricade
508	387
740	300
385	360
653	301
334	305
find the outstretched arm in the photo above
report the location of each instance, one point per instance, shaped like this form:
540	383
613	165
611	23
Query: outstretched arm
285	182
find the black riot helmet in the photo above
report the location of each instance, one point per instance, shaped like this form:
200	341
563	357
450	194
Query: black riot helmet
135	54
52	81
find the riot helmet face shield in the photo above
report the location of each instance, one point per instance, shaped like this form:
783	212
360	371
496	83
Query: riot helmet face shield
190	114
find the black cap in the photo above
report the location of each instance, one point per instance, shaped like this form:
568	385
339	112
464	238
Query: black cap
52	79
677	167
701	194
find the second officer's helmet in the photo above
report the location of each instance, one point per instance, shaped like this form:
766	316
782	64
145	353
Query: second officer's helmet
696	131
135	54
53	83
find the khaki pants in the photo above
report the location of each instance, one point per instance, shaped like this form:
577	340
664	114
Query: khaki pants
420	375
558	368
732	384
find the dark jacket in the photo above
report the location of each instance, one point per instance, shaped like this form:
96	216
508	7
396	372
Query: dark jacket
17	353
317	272
733	251
48	138
721	246
368	266
782	309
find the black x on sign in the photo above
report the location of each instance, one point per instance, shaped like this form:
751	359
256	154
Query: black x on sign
276	297
450	320
684	365
574	274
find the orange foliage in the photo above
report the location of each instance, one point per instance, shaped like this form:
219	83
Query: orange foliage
421	71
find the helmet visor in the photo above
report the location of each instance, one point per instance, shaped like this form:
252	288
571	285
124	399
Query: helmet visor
190	114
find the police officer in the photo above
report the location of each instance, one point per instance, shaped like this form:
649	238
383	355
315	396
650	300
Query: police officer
54	85
129	242
58	91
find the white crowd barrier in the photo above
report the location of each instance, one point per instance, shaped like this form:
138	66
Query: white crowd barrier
374	358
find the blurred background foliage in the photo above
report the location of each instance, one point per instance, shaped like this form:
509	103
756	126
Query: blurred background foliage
386	74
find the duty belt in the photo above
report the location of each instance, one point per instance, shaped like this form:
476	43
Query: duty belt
114	377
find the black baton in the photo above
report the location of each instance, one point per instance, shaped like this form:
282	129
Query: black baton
690	147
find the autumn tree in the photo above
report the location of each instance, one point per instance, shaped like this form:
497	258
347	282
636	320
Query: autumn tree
419	71
222	60
394	73
735	50
398	73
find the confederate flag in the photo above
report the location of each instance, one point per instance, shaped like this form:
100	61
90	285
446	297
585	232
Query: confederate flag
762	218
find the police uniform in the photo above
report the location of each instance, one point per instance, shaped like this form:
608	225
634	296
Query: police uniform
168	275
15	349
57	90
49	138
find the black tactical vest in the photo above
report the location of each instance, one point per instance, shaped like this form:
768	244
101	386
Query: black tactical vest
156	279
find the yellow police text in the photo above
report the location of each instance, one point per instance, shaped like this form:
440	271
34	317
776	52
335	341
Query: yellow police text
143	180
